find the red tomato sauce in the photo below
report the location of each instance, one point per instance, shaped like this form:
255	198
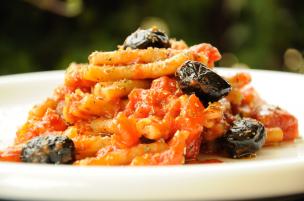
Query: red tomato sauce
169	110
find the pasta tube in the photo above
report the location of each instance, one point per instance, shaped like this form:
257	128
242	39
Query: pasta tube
118	89
130	56
137	71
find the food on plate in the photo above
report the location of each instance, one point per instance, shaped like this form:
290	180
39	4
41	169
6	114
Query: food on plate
153	101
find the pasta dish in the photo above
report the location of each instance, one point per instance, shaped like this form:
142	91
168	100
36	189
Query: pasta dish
153	101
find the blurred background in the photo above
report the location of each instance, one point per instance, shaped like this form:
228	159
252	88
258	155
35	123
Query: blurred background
38	35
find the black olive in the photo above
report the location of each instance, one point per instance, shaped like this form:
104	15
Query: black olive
56	149
144	38
244	138
208	86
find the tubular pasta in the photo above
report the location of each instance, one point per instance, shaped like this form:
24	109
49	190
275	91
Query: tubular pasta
112	156
118	89
137	71
81	105
103	125
88	146
130	56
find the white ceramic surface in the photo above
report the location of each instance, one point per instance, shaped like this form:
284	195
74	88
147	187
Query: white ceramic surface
275	171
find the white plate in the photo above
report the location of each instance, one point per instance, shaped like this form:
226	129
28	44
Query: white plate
275	171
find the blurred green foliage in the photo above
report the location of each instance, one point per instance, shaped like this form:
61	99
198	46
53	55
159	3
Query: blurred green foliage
38	36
